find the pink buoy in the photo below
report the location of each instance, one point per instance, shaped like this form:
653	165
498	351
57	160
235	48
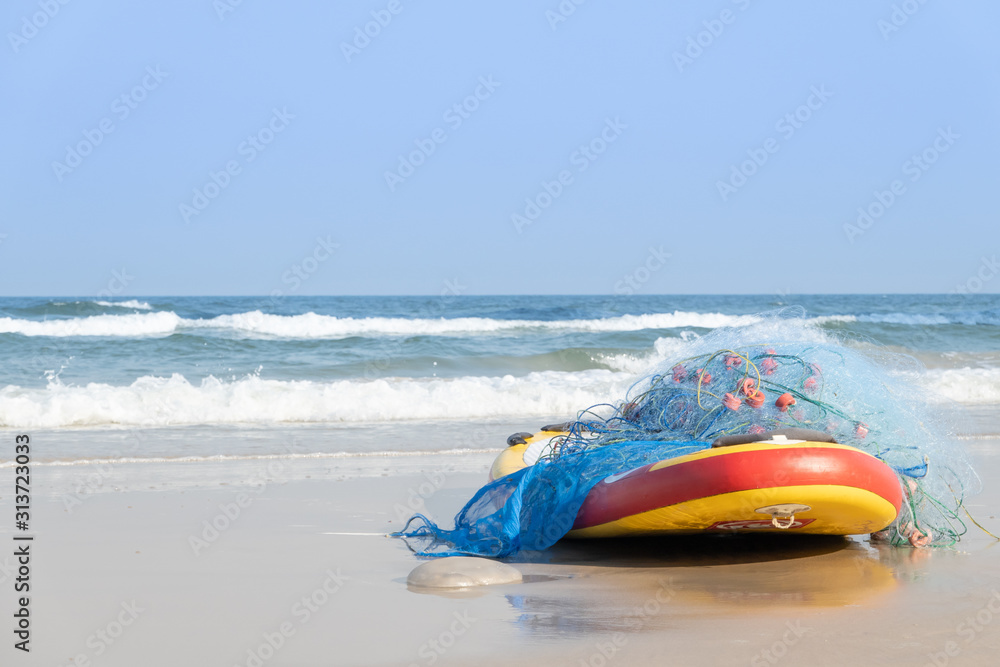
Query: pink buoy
784	401
756	399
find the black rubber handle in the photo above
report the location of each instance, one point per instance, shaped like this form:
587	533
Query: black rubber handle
790	433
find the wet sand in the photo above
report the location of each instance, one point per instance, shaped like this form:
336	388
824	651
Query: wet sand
291	567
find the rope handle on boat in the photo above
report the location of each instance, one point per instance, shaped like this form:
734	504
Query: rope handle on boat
783	516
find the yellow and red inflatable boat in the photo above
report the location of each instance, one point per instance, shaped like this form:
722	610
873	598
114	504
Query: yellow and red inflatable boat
782	481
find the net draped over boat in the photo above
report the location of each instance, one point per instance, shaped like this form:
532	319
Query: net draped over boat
534	507
727	386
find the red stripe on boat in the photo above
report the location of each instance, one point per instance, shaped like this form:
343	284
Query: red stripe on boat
641	490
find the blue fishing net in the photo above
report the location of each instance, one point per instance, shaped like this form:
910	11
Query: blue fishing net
730	383
534	507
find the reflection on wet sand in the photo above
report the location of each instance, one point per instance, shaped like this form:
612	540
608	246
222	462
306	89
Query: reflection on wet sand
645	584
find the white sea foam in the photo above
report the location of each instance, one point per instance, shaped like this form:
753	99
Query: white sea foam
158	401
131	326
826	319
976	386
255	324
131	303
311	325
912	319
641	363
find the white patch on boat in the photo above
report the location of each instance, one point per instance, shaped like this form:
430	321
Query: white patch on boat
535	451
778	440
614	478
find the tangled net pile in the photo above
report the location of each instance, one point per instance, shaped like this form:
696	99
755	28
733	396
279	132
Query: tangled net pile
724	390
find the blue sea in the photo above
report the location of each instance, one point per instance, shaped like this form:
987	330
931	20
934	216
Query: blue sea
367	368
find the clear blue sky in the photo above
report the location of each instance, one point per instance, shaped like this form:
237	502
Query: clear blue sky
198	81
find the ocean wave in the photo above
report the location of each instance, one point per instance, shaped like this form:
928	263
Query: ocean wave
132	326
313	326
174	401
828	319
256	324
131	303
974	318
666	349
974	386
640	363
162	401
967	384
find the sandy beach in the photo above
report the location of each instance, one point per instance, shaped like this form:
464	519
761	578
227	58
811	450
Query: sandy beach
275	277
284	562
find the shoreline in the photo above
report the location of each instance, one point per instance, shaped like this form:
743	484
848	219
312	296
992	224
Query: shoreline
294	564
